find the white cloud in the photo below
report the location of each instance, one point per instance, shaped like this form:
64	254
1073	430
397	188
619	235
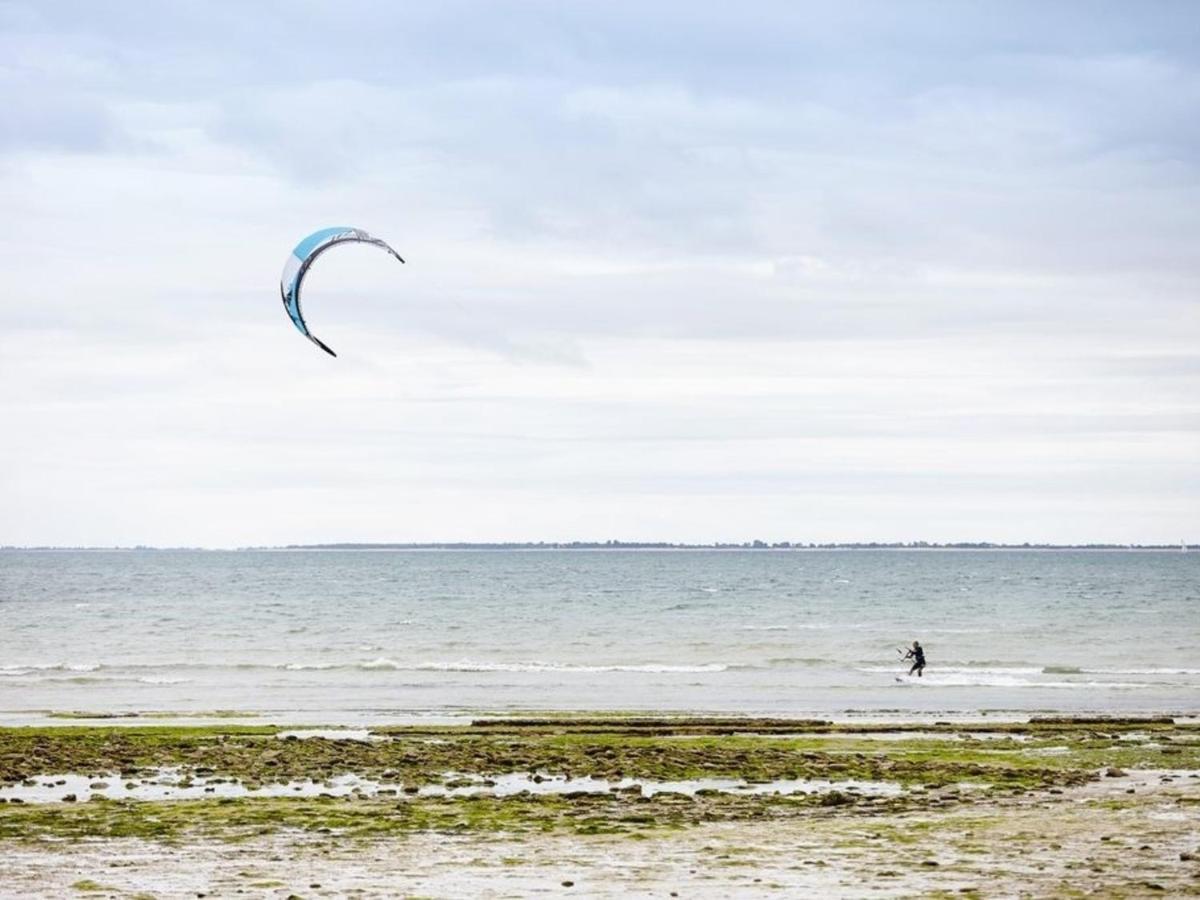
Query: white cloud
677	275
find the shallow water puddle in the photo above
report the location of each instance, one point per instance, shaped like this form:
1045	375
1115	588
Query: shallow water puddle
515	783
171	784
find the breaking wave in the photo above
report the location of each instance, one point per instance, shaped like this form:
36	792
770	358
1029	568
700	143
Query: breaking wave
534	666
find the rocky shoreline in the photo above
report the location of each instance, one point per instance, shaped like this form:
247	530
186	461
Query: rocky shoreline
1050	807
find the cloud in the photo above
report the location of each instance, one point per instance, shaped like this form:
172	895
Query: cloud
785	268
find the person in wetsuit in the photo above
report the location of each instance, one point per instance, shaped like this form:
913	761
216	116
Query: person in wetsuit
917	655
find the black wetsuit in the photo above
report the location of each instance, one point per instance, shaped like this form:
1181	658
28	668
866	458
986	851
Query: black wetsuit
917	654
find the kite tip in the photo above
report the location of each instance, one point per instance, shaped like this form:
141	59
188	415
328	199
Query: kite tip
322	345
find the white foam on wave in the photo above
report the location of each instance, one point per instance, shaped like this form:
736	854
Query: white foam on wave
26	668
466	665
974	670
985	679
1005	676
306	667
765	627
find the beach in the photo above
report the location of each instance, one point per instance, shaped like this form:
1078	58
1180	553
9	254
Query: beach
605	806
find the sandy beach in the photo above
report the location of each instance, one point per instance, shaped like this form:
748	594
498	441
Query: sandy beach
605	806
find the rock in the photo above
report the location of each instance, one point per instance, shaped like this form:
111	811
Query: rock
98	785
568	884
836	798
69	798
1189	856
1114	772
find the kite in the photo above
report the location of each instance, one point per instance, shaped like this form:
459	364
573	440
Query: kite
303	256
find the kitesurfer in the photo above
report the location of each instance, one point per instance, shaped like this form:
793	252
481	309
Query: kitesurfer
917	655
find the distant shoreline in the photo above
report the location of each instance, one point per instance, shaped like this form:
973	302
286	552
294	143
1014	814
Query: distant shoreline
752	546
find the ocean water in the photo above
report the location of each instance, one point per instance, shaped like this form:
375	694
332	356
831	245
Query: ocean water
377	636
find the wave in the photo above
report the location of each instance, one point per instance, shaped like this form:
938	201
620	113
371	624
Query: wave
986	667
118	671
26	668
535	666
765	627
1145	670
960	669
308	667
987	679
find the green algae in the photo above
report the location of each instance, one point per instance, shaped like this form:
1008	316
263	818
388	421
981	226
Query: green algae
238	819
932	769
255	755
87	886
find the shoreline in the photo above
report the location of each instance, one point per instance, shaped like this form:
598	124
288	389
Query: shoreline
631	547
864	720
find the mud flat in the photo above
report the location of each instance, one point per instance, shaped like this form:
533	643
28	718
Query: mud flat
604	806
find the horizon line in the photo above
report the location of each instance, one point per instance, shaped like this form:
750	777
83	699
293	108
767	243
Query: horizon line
624	545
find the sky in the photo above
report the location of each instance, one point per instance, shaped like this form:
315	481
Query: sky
677	271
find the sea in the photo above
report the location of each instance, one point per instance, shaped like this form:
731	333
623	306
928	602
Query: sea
379	636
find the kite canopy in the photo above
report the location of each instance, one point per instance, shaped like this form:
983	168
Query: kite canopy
302	257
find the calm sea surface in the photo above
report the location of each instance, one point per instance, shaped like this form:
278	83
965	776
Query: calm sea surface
375	636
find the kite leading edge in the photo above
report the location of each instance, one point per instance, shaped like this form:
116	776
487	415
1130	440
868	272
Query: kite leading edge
303	256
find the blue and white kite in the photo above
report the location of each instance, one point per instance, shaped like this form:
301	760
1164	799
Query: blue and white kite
303	256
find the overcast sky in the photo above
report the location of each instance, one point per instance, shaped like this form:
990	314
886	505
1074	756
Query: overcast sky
677	271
